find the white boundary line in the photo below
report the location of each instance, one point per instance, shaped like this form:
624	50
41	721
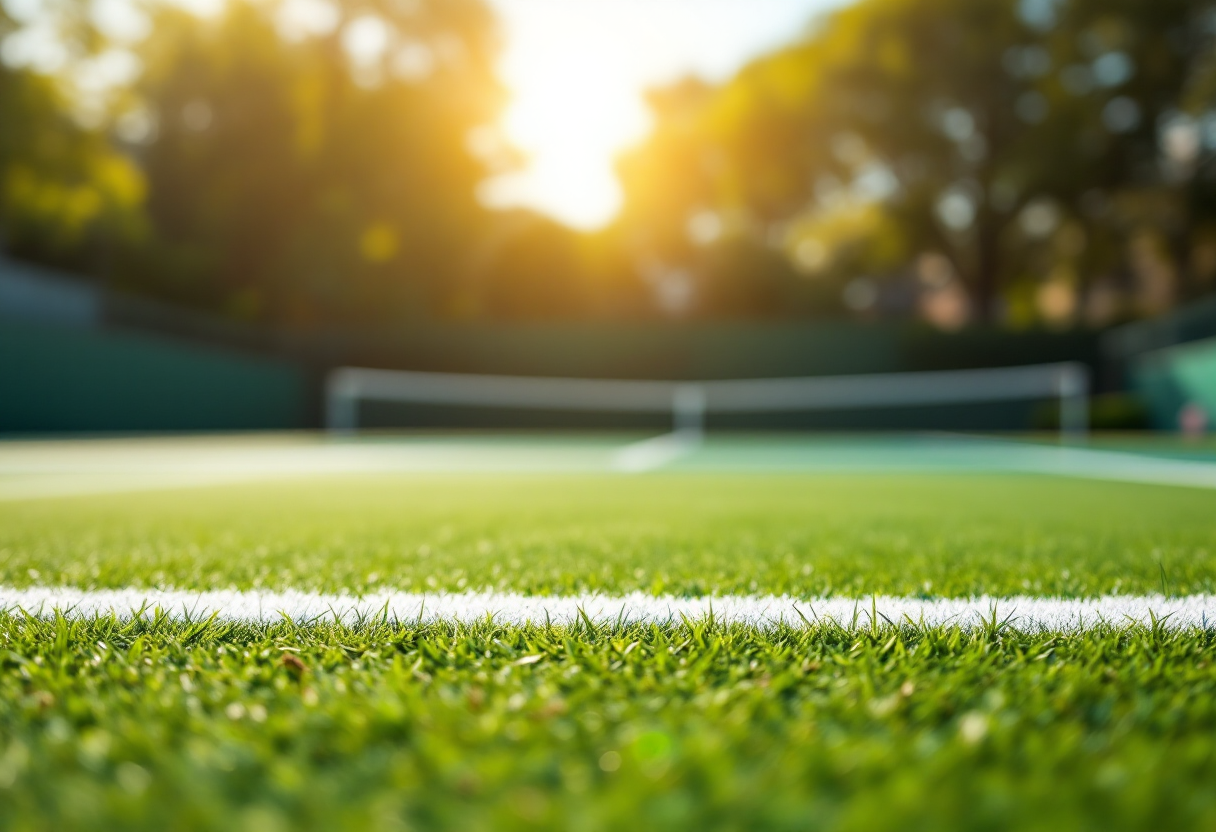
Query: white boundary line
1022	612
1083	462
655	452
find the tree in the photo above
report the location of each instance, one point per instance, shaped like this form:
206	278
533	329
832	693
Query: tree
994	134
67	197
321	172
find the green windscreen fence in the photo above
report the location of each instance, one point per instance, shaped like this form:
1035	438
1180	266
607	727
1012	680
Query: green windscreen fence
687	351
65	379
117	377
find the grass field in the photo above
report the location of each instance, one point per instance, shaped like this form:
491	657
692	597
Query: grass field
159	722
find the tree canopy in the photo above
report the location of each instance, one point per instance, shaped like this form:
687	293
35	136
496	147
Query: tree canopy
317	175
1015	161
993	150
67	195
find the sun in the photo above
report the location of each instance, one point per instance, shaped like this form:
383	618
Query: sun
574	106
570	127
577	71
570	115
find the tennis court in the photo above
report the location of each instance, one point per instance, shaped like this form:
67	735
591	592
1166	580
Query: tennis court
32	469
513	416
510	631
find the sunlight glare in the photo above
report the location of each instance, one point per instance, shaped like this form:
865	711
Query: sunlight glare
577	71
573	110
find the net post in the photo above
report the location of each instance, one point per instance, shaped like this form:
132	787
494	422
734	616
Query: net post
688	410
1072	384
341	402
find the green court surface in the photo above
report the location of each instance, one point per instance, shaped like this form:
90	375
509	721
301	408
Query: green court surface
942	531
50	468
163	722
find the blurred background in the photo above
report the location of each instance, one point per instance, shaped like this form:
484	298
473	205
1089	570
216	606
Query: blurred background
206	205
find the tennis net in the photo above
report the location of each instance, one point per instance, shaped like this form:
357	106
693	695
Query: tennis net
690	403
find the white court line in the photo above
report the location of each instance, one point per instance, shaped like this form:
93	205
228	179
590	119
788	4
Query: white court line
1027	613
1097	464
656	452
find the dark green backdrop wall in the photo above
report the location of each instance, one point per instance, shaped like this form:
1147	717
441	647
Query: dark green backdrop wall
58	378
66	379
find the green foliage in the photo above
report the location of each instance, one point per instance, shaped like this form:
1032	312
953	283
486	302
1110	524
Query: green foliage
1024	147
63	189
1040	162
294	182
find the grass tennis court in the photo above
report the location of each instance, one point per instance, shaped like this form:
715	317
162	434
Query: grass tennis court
199	723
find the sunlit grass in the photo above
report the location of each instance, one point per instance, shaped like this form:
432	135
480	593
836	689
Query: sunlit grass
685	534
157	724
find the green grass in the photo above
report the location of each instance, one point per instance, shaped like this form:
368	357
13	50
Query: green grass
940	535
158	724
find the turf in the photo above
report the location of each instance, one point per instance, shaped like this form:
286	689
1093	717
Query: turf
685	534
158	724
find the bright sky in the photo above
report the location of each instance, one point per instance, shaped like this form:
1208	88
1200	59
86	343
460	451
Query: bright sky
577	70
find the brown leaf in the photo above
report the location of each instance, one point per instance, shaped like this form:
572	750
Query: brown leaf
294	665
